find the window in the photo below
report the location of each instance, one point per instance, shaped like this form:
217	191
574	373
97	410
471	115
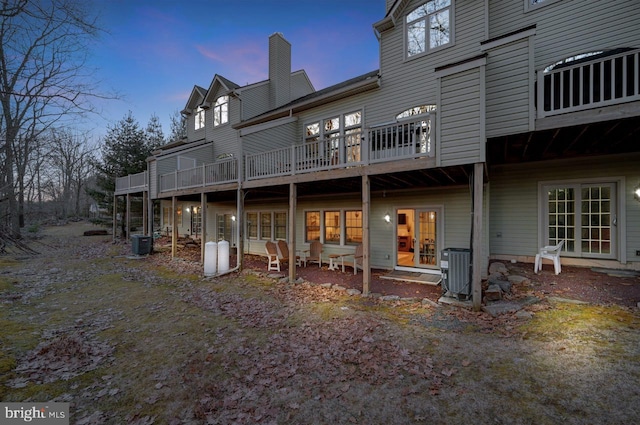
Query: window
225	232
280	225
196	221
534	4
199	118
332	227
252	225
167	216
353	227
583	215
312	226
416	110
429	27
221	111
335	139
265	226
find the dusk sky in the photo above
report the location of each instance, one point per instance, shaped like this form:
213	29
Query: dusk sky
155	51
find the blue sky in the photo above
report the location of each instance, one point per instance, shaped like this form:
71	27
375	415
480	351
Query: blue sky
155	51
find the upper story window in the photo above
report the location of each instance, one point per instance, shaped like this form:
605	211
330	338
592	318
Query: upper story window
429	26
199	118
534	4
221	111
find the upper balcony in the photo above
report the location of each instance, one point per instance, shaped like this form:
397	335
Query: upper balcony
588	82
132	183
220	172
404	140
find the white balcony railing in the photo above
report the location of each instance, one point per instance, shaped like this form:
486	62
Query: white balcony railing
407	139
224	171
603	81
132	183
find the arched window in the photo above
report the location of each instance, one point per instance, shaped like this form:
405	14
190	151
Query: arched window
221	111
416	110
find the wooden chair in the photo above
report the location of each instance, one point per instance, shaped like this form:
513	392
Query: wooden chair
551	253
315	253
357	259
272	254
284	250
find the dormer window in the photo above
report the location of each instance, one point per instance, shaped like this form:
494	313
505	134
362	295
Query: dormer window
221	111
199	118
429	27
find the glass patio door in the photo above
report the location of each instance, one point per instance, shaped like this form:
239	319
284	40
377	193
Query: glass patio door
584	216
418	237
426	240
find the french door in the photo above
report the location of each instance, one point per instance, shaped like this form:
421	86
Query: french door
418	235
584	216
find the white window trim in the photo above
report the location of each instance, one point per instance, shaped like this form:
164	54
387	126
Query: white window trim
200	119
528	7
343	224
428	51
343	128
217	107
621	207
259	214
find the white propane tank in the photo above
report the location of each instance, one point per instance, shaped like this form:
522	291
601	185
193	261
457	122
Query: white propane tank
210	258
223	256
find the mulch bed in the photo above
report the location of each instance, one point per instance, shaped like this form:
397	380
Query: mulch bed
578	283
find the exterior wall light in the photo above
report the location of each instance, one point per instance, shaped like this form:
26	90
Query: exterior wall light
636	192
233	218
387	218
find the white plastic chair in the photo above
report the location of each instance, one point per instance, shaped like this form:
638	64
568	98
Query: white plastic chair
551	253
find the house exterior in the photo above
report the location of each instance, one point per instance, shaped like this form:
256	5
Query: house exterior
496	126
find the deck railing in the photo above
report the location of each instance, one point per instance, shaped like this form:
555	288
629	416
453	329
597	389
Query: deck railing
132	183
406	139
412	138
224	171
602	81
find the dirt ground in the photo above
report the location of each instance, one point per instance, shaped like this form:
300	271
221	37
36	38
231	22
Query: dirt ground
129	340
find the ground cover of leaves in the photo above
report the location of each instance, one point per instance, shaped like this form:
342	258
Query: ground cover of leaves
143	341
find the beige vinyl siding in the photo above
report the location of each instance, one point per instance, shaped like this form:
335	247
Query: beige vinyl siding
508	89
515	209
281	136
566	27
460	119
255	100
409	83
300	85
153	179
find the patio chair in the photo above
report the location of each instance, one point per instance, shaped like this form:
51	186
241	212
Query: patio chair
272	254
357	259
551	253
284	250
315	253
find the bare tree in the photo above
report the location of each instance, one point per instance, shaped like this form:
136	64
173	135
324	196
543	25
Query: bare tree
70	156
43	78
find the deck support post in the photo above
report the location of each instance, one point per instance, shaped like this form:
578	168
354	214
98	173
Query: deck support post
174	228
366	264
145	213
114	224
476	249
293	195
127	229
240	229
203	224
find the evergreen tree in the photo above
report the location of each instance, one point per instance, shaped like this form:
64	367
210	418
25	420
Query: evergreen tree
178	127
124	151
154	133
